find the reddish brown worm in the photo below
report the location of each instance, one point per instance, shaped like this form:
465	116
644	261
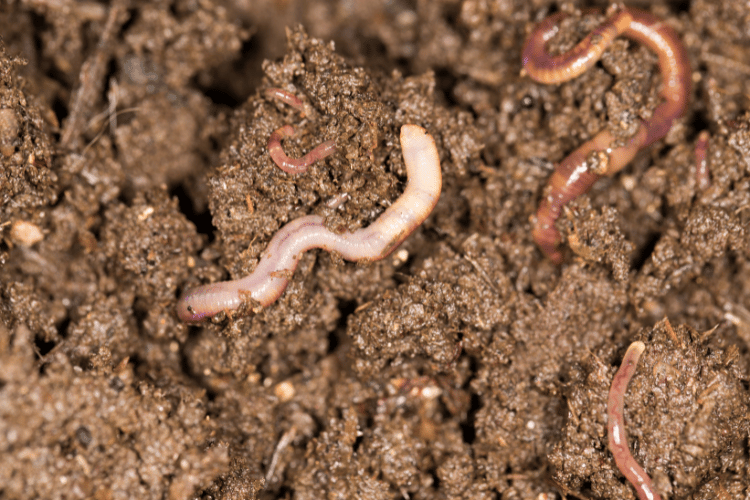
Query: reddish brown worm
299	165
600	156
702	172
271	276
618	439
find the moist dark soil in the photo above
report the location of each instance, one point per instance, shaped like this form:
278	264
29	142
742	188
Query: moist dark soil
466	364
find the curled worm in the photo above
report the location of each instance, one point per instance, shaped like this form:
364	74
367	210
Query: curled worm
618	439
271	276
600	155
291	165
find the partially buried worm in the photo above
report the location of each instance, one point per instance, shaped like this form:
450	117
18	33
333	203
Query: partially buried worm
291	165
285	97
271	276
602	155
299	165
618	439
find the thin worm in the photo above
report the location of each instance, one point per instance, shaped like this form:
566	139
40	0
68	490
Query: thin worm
702	172
618	439
577	173
291	165
271	276
285	97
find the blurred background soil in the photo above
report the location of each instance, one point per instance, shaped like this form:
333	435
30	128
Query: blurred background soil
466	365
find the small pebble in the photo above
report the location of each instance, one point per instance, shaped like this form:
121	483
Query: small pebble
25	233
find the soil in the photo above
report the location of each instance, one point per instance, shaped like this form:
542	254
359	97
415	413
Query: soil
465	365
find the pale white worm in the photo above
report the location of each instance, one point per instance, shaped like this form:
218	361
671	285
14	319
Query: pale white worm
374	242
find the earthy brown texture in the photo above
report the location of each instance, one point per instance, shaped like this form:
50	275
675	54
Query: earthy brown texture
466	365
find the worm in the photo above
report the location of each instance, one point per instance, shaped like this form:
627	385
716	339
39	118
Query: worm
291	165
600	155
702	172
374	242
285	97
618	439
